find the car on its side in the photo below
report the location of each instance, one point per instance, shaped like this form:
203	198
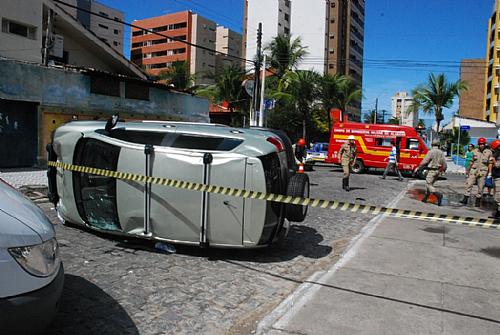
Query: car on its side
31	271
250	159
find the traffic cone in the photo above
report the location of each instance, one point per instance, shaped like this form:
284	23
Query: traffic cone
301	168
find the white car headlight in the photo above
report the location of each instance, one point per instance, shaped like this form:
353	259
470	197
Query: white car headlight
40	260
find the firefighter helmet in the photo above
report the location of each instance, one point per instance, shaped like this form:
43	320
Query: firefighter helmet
301	142
481	140
495	144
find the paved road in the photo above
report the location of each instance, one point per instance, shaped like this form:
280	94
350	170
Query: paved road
404	277
115	287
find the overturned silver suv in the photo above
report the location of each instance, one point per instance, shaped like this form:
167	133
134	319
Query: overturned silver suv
251	159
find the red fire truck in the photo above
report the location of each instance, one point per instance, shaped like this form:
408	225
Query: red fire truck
373	143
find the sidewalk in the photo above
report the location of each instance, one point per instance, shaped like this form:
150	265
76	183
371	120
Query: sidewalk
403	276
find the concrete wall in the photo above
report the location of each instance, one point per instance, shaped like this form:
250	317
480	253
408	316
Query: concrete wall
308	23
203	61
27	12
71	90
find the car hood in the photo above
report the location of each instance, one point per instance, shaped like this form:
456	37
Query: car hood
21	221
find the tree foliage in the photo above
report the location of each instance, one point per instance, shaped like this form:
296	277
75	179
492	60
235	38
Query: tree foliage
438	93
284	53
177	75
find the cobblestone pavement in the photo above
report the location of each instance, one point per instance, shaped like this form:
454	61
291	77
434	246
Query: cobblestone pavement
18	178
126	287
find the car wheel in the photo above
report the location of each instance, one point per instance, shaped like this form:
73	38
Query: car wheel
297	187
358	166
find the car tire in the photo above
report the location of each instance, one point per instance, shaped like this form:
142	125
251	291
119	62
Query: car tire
358	167
298	186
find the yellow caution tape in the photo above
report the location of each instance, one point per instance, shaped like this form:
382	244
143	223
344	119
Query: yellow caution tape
326	204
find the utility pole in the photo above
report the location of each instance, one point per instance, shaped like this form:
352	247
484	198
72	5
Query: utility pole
262	94
48	39
376	111
255	98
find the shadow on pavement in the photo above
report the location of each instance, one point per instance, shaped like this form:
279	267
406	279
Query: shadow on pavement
491	251
86	309
301	241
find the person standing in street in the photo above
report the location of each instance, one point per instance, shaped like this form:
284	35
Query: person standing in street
300	151
393	162
480	167
436	164
495	173
468	156
347	157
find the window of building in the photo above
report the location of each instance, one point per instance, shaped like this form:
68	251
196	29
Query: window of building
103	26
287	3
331	66
287	17
332	36
17	28
287	31
137	33
136	91
177	26
105	86
332	4
332	51
147	56
104	14
332	20
116	31
115	43
137	45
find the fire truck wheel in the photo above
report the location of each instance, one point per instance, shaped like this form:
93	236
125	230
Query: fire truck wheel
297	187
358	166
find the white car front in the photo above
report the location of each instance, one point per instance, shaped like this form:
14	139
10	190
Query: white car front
31	272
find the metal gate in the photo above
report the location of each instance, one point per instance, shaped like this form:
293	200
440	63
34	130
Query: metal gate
18	133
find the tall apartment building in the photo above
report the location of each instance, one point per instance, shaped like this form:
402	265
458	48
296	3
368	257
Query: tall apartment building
275	16
109	31
157	53
492	83
332	31
471	103
401	101
228	43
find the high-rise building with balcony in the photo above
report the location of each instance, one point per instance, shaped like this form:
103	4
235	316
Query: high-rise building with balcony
228	46
401	103
106	29
492	83
471	103
156	53
275	18
332	31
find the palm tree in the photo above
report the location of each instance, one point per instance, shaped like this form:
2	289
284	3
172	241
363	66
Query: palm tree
178	75
227	88
349	94
301	90
329	91
437	94
284	53
370	117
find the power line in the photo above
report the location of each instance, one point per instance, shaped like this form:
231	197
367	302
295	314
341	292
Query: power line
153	32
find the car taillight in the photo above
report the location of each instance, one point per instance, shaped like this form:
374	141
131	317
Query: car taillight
277	143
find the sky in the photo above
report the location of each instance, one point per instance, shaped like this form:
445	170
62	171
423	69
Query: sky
436	33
